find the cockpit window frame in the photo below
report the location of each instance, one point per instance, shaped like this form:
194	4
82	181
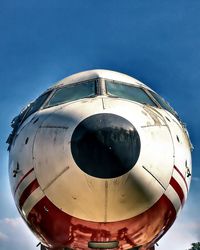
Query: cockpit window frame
100	90
150	95
27	114
135	86
24	114
170	109
96	92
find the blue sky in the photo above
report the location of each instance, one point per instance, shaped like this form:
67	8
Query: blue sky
155	41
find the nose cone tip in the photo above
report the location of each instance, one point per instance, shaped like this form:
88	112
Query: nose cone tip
105	145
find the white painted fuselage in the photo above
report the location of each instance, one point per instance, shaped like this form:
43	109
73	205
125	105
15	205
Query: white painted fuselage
68	204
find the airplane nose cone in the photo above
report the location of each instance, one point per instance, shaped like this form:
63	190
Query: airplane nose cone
105	145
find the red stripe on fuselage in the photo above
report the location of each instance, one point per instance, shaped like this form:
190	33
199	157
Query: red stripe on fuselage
23	179
181	176
178	189
58	229
27	192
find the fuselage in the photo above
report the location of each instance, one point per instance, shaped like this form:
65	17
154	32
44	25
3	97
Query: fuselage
99	160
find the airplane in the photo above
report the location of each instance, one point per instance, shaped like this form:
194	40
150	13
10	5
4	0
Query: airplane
99	161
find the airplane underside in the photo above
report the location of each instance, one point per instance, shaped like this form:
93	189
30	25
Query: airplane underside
66	248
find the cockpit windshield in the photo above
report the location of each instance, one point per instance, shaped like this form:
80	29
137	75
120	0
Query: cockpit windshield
130	92
163	103
35	106
72	92
25	113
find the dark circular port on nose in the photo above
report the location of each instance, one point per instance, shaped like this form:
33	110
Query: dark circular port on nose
105	145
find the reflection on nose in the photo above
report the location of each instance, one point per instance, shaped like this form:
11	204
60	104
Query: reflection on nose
105	145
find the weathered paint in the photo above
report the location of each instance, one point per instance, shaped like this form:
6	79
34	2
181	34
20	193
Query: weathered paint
66	207
62	230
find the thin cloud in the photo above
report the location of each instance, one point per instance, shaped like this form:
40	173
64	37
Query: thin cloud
13	222
15	234
181	234
3	237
